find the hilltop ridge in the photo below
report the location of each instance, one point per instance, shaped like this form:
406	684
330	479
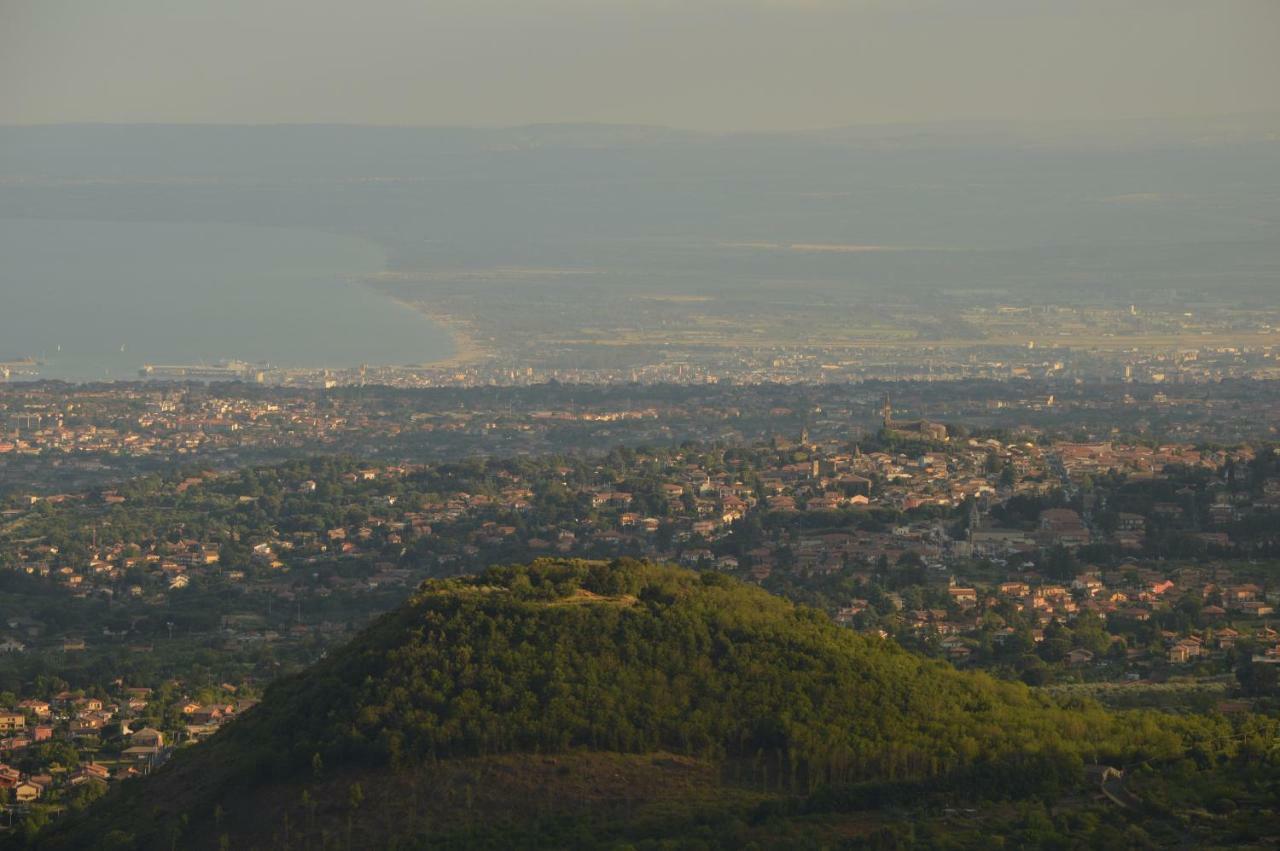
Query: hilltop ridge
613	691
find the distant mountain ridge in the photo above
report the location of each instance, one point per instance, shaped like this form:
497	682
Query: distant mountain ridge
337	150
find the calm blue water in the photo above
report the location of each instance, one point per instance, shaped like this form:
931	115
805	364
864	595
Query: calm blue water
116	295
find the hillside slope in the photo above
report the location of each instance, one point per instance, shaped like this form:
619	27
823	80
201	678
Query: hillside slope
598	692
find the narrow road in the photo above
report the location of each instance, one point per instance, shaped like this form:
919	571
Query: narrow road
1113	788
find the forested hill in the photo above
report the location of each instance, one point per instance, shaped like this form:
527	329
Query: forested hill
450	710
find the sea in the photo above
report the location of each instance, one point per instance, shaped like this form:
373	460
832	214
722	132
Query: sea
96	300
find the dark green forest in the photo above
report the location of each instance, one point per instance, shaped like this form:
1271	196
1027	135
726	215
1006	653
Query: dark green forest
564	659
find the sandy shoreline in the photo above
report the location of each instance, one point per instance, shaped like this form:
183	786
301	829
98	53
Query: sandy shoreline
467	351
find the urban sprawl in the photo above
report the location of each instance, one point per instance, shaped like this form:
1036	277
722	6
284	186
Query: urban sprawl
167	549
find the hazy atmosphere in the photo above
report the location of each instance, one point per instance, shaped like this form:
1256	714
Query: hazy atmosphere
697	64
639	425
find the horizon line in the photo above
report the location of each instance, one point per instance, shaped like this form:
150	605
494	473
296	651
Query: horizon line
630	125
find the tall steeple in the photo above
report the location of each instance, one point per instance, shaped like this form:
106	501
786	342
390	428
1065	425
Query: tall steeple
886	412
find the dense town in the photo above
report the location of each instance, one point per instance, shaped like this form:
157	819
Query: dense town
762	365
60	436
1129	569
547	328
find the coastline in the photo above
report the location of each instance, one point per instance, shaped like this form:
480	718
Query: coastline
98	300
467	351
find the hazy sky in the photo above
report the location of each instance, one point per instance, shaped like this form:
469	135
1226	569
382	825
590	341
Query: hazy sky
703	64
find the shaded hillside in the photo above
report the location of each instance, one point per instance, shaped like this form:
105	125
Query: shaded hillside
481	702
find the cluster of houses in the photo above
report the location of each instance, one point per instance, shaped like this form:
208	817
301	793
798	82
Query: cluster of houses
675	505
172	422
1135	460
1228	611
701	505
114	734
